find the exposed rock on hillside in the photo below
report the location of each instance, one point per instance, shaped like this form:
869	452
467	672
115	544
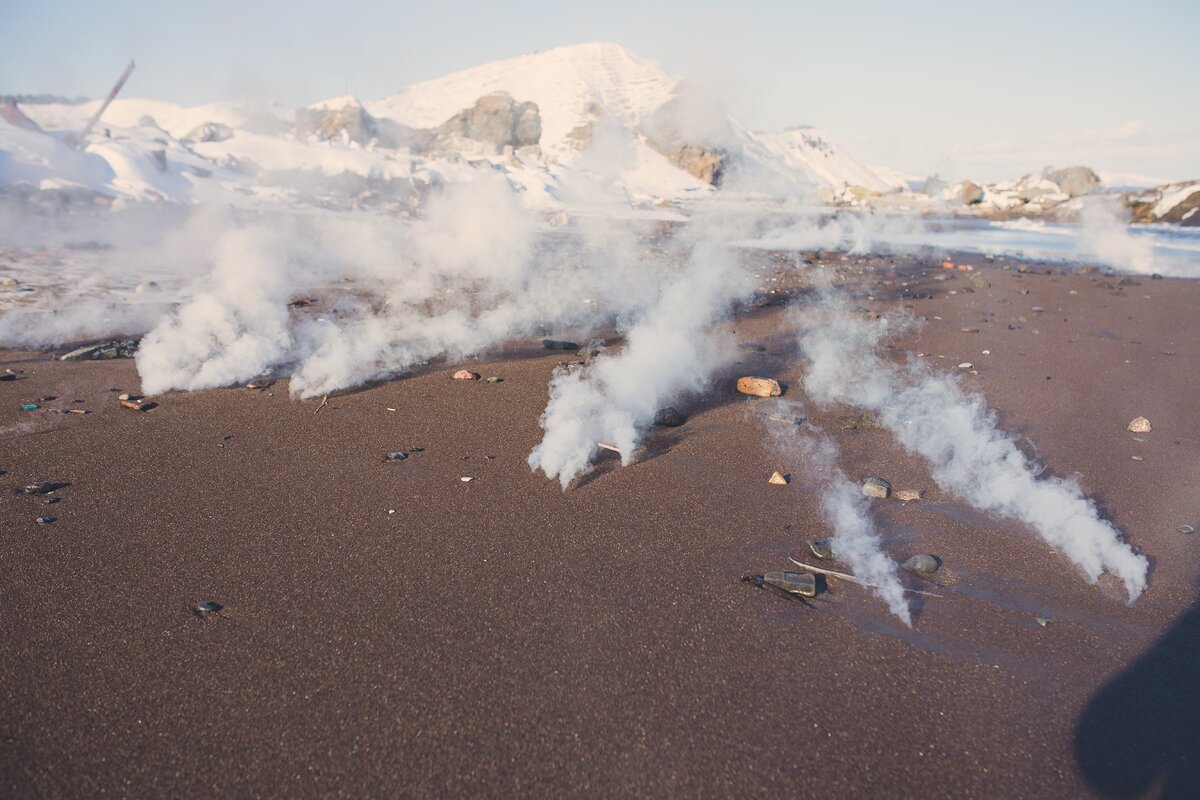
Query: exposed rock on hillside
1073	181
495	119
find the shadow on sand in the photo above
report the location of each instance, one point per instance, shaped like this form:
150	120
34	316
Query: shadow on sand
1140	734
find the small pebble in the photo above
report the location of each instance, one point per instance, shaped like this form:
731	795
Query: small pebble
45	520
1137	458
466	479
669	417
1139	425
966	365
41	487
1187	528
207	607
907	495
396	455
1044	621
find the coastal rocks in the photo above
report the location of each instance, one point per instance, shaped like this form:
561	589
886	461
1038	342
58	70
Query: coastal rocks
466	375
1140	425
124	348
876	487
1073	181
923	564
971	193
669	417
759	387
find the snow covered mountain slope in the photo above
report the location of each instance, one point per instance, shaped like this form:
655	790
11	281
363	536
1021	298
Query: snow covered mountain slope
578	120
809	152
570	85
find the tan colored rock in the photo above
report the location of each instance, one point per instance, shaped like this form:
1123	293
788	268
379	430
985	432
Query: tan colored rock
876	487
907	495
759	387
1140	425
777	479
466	375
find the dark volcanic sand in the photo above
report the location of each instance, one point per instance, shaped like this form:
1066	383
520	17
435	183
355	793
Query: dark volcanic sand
503	638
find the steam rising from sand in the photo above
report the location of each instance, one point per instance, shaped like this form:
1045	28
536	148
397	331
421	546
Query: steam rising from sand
932	415
672	349
855	538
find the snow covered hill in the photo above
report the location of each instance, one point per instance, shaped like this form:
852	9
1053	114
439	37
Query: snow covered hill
550	122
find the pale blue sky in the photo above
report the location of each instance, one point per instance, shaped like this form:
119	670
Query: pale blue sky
969	89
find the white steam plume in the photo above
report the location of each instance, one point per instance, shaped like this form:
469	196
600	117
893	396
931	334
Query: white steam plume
855	539
671	349
930	414
1104	235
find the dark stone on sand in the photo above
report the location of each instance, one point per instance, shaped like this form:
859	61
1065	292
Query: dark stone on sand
669	417
923	564
207	607
126	348
45	520
41	487
396	455
559	344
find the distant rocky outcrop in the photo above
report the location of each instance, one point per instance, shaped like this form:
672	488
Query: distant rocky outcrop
496	120
1073	181
209	132
686	135
353	123
971	193
1177	203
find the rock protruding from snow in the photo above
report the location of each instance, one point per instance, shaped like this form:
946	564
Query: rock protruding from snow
1074	181
208	132
496	120
1178	203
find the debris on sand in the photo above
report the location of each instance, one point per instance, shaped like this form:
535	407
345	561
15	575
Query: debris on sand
41	487
876	487
466	479
852	422
1043	621
8	376
669	417
559	344
1140	425
137	405
1185	528
30	407
117	348
847	577
788	419
907	495
466	375
45	520
206	607
797	584
396	455
777	479
822	549
923	564
759	387
495	379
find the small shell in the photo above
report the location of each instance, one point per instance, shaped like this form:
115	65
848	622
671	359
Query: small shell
822	548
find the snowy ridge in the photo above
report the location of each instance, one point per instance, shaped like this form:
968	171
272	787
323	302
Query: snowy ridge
597	103
568	84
